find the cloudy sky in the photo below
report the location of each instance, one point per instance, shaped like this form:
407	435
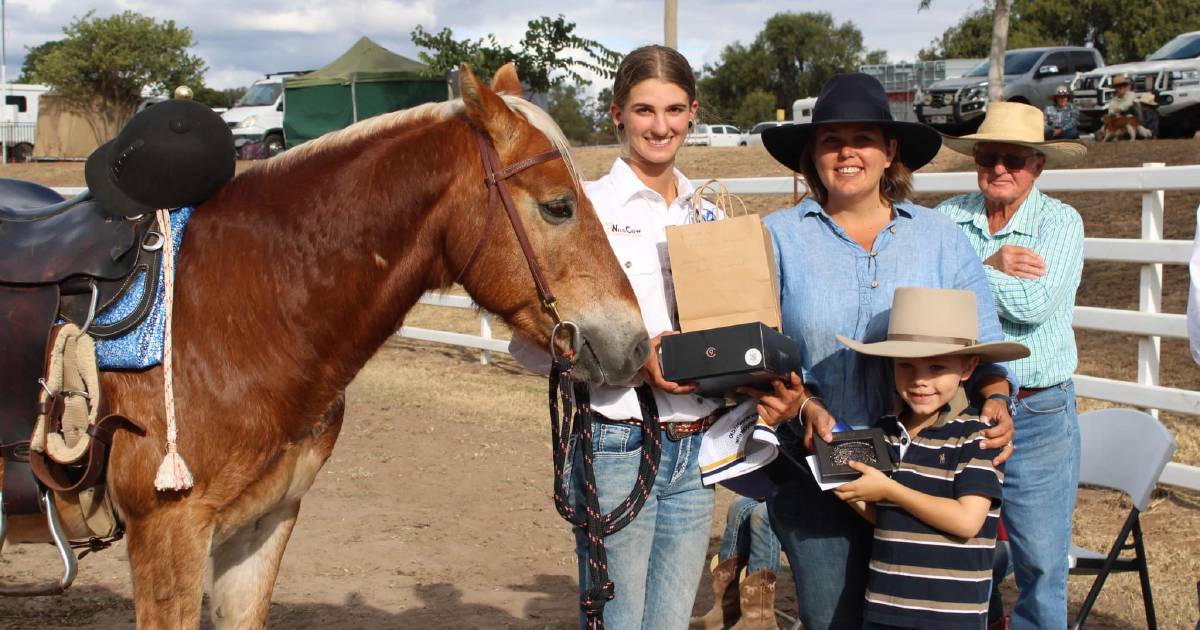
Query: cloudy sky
242	39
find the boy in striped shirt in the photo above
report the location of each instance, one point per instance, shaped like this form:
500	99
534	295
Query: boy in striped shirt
936	517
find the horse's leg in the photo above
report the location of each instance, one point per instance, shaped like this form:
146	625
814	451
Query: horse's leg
245	562
244	568
168	555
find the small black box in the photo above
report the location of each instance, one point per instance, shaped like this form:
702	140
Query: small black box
720	359
865	445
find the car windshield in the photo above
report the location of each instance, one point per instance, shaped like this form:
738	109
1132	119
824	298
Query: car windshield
1182	47
1017	62
260	94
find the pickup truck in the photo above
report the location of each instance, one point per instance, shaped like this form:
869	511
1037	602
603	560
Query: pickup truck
957	105
1171	74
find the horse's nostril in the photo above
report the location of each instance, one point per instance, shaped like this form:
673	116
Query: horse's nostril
641	349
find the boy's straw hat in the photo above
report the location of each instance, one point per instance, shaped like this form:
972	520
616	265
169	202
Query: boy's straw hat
935	322
1020	124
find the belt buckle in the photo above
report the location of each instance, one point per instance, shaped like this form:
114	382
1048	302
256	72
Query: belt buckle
676	432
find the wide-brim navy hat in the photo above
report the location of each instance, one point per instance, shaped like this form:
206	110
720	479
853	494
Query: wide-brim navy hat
174	154
853	98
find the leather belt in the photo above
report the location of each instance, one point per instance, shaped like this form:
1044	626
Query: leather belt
1026	392
674	430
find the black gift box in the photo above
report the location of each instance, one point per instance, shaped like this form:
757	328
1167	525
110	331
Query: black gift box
720	359
866	445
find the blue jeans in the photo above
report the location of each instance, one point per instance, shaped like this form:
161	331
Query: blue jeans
1067	134
1039	500
748	534
656	561
828	545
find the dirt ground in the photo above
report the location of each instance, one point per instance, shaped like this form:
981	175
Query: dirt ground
435	510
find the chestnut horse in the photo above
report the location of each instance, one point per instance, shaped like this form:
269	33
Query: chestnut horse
291	277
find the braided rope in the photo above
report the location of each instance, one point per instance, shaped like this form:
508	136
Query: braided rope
571	414
173	474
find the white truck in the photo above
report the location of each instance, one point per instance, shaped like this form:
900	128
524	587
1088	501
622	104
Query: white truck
18	119
1170	74
258	115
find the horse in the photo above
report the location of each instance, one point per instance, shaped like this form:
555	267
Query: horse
292	275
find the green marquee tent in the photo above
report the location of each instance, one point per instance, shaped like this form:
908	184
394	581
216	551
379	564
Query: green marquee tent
365	81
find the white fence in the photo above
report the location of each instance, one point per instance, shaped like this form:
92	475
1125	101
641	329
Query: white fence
1151	252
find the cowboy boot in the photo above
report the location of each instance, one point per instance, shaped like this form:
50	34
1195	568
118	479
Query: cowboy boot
724	611
758	602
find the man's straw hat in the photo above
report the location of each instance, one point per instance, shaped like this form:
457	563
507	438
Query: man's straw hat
1120	79
1020	124
936	322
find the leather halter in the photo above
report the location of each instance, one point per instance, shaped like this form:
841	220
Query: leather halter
495	177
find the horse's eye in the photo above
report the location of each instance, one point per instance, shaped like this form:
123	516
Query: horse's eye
558	210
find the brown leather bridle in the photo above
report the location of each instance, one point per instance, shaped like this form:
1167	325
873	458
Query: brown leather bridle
495	178
570	403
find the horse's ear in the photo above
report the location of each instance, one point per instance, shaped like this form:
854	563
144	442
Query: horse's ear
506	81
486	110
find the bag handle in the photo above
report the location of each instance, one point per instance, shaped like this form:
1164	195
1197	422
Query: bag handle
719	196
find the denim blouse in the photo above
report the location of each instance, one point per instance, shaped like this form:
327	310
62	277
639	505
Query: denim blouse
830	285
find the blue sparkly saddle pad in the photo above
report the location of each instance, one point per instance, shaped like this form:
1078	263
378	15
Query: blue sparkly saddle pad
141	347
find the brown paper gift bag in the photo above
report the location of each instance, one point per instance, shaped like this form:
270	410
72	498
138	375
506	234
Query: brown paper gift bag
724	271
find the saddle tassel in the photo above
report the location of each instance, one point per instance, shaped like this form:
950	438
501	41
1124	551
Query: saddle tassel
173	474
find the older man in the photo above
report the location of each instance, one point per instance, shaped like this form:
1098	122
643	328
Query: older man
1032	250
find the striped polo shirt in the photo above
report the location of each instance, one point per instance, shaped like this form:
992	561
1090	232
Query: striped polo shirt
921	577
1037	312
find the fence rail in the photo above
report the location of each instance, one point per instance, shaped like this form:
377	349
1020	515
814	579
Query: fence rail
1150	252
12	133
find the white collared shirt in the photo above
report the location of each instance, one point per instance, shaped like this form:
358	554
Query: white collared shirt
635	218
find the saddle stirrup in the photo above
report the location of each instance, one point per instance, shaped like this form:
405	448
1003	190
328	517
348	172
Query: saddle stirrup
70	564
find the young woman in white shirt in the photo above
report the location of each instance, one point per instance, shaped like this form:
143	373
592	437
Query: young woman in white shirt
656	561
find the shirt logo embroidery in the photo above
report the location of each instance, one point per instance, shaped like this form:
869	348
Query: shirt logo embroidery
623	229
941	458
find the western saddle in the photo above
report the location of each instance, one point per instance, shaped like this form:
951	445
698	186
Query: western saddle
61	260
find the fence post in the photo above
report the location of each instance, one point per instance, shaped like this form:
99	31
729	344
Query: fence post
485	331
1150	285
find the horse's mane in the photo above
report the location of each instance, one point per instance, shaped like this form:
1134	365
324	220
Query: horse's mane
445	110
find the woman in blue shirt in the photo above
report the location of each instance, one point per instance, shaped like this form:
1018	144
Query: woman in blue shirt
841	253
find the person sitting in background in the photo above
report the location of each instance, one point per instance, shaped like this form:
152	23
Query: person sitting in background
744	571
1124	102
1062	119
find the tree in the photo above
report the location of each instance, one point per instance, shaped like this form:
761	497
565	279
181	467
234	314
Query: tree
571	110
997	48
1122	31
103	64
34	55
605	130
233	94
970	37
208	96
791	57
756	107
549	54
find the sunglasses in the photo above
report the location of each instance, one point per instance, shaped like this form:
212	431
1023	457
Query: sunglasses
1011	162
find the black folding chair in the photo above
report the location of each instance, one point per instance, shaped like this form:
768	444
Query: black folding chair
1125	450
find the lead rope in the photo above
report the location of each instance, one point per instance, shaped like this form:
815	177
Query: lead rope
173	474
571	414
